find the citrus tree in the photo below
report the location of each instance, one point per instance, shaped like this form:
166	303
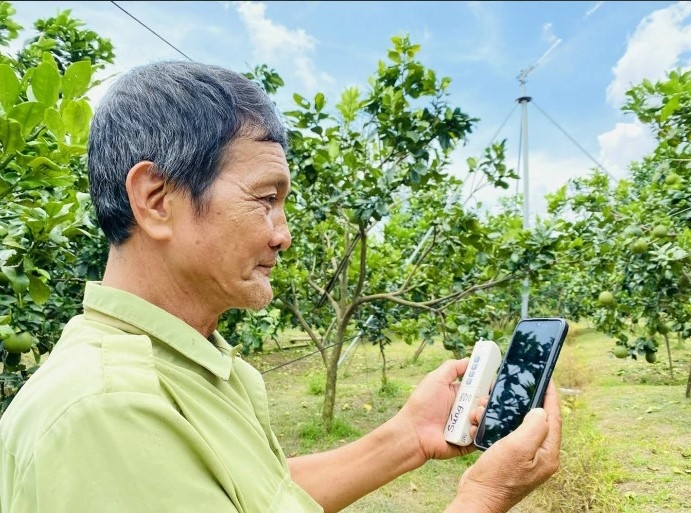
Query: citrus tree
49	242
634	236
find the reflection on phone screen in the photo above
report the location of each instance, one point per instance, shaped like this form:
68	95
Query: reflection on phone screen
517	382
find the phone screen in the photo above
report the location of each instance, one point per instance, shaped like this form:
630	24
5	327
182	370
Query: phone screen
522	378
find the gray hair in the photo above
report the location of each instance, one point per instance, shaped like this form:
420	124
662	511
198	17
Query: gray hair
182	117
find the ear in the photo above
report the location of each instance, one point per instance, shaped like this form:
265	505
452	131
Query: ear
150	197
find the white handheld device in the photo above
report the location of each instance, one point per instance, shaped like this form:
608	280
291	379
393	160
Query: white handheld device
477	381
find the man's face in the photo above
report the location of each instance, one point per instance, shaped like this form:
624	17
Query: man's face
230	249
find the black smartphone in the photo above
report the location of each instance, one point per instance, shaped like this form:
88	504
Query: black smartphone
522	378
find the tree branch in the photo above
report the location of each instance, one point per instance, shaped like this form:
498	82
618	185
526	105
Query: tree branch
325	294
295	310
341	265
363	262
418	263
389	296
432	304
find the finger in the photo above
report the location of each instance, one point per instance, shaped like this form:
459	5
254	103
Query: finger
450	370
476	415
553	408
551	402
532	432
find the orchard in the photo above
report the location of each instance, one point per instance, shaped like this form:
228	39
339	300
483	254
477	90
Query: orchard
383	251
634	235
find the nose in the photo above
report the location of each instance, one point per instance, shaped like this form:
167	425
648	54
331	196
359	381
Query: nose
282	238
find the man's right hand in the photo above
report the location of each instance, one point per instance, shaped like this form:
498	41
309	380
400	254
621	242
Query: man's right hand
515	465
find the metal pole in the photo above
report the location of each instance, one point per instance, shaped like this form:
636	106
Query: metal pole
523	100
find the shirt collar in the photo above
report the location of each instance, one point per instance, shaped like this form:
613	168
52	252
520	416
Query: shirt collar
216	356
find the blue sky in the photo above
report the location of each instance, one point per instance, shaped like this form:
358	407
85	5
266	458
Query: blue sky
588	54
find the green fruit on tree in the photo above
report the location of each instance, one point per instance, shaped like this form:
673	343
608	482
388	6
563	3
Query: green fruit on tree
639	246
606	298
451	327
672	179
660	231
620	352
19	342
651	357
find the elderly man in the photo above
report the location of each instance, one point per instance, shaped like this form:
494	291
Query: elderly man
142	406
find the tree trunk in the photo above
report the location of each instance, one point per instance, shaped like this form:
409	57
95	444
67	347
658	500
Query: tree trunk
669	356
384	378
688	385
331	361
418	351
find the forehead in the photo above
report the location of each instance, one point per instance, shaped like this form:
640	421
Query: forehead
254	159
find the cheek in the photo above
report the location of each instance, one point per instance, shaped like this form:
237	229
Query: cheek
235	232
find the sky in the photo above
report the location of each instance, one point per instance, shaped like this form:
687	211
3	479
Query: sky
579	60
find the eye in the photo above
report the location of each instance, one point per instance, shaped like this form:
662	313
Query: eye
271	199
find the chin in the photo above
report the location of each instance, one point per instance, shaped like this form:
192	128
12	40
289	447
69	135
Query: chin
260	299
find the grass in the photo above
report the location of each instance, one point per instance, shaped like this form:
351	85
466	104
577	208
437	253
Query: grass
588	475
626	445
646	419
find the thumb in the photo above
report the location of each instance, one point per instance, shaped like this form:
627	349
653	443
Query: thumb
533	430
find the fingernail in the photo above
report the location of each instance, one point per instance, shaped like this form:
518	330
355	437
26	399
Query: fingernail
538	411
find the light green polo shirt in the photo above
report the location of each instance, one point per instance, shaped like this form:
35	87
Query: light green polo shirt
135	411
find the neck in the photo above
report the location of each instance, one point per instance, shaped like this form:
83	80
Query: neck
132	268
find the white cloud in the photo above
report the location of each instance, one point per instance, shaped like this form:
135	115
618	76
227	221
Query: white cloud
656	46
275	43
488	47
547	174
625	143
270	38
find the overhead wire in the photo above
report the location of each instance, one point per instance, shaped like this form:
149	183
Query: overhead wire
491	141
289	362
574	141
519	167
152	31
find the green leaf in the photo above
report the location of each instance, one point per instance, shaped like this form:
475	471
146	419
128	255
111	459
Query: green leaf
45	83
5	331
5	255
394	56
319	101
17	277
29	114
76	80
300	100
670	108
9	87
43	162
11	136
76	116
334	148
350	103
38	290
53	121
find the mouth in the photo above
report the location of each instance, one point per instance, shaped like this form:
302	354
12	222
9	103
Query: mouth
265	269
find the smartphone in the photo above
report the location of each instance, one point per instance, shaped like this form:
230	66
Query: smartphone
523	377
